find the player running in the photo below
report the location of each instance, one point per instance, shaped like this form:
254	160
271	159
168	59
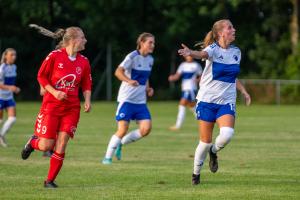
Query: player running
190	72
61	74
8	75
134	73
217	94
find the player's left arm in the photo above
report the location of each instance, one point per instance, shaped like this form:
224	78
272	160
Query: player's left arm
87	100
149	90
86	85
243	90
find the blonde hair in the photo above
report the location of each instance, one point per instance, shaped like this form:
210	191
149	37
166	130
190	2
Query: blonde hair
142	38
212	36
63	35
3	59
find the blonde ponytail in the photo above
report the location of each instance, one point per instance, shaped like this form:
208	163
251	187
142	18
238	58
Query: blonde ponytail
212	36
62	35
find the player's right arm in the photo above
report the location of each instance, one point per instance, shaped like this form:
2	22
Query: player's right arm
185	51
120	71
44	78
120	74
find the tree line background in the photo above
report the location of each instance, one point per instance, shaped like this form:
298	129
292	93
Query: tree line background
267	34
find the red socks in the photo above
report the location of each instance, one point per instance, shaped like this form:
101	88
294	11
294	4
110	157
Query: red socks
56	163
35	143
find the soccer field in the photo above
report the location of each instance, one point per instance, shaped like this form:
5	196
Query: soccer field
261	162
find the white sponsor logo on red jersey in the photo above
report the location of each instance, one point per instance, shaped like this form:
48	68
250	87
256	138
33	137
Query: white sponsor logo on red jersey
66	82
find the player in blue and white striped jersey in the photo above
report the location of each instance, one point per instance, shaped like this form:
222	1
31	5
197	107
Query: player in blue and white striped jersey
217	94
8	74
134	73
190	72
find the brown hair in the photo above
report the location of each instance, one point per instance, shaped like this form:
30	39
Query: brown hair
212	35
142	38
3	59
63	35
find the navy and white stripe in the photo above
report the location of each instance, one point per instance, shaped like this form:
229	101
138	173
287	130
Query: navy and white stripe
8	74
218	81
189	72
137	67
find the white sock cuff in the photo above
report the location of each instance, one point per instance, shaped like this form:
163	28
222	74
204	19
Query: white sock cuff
181	107
114	137
204	144
12	119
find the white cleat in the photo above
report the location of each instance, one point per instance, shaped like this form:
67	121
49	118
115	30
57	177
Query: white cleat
3	141
174	128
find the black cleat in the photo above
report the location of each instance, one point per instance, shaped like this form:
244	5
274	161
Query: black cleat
50	184
27	149
213	161
195	179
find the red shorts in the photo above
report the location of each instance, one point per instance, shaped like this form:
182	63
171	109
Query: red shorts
54	119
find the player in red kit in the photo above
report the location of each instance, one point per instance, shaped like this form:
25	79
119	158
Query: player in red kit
62	74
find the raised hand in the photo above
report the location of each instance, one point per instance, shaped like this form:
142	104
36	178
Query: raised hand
185	51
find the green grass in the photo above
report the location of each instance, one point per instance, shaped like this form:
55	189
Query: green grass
262	161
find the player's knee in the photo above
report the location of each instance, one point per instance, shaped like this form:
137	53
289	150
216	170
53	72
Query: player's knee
145	130
121	133
226	133
46	146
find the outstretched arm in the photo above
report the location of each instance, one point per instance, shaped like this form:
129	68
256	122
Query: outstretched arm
185	51
174	77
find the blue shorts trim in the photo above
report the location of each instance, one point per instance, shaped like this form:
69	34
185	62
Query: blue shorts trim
210	112
7	103
189	95
130	111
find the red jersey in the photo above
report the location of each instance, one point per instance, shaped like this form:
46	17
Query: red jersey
65	75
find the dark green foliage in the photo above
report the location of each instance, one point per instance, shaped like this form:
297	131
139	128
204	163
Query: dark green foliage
262	33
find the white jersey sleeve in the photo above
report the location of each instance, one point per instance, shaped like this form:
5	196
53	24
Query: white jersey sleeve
180	69
127	62
210	50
